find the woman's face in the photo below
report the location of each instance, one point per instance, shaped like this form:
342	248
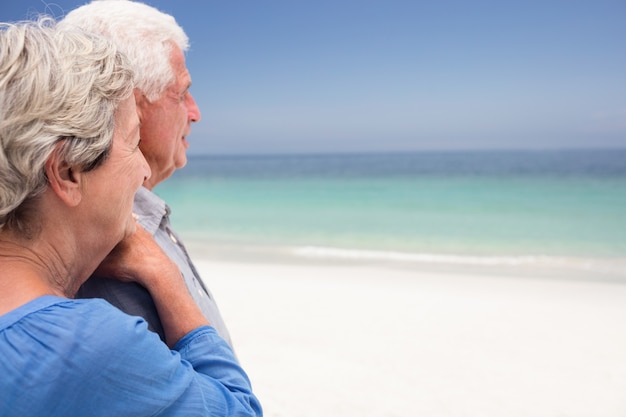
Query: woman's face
109	190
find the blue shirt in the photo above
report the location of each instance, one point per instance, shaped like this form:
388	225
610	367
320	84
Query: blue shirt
61	357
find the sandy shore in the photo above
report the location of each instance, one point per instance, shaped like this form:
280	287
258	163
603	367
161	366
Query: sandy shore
348	340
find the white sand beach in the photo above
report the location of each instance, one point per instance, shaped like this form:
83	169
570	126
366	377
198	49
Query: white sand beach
349	340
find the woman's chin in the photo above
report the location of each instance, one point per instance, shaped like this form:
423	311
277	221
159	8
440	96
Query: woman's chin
131	227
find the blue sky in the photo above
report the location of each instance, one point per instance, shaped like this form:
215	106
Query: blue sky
281	76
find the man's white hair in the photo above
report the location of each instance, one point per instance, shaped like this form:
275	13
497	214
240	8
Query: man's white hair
143	33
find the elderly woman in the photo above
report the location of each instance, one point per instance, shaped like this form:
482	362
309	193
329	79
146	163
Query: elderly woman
69	168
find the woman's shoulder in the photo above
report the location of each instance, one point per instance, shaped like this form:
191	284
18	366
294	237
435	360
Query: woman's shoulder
53	310
98	321
67	350
89	321
79	334
65	312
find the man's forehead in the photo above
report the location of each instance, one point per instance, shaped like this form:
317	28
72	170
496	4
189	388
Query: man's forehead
182	78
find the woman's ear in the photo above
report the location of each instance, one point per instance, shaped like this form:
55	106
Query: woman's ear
63	179
140	102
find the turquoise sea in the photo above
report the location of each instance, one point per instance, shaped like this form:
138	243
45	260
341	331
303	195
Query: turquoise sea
540	209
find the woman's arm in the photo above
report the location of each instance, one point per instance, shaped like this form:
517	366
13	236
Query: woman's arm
139	258
206	377
134	373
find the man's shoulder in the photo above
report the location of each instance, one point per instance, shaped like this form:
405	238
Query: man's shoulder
129	297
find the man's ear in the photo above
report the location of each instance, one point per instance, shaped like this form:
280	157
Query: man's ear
63	179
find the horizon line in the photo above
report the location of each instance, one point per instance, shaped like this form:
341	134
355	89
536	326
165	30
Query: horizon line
194	155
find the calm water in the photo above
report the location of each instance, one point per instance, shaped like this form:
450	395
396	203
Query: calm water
472	205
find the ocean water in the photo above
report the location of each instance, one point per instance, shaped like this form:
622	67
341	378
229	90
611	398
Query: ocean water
502	208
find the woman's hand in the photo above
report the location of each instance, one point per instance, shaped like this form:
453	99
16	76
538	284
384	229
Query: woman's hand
137	258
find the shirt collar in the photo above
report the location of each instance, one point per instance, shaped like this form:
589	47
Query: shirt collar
150	209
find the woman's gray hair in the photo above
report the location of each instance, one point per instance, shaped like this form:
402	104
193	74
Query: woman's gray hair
143	33
56	86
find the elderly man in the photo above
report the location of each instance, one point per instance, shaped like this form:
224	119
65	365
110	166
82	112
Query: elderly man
155	45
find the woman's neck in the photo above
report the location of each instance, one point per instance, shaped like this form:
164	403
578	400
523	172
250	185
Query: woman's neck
29	272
